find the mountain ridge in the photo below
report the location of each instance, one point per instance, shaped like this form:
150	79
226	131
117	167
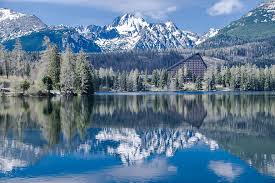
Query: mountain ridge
14	24
126	32
257	24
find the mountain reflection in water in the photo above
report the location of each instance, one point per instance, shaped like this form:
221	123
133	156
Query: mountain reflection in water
136	129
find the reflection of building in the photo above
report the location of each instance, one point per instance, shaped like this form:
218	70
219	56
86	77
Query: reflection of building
195	112
194	64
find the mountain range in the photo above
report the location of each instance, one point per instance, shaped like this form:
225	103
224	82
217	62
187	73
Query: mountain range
257	25
126	32
130	31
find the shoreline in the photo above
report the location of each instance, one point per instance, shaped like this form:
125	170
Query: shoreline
142	93
183	92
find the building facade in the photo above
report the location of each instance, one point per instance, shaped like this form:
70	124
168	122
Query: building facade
195	65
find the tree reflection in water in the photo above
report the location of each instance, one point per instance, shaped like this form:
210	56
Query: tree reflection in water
136	127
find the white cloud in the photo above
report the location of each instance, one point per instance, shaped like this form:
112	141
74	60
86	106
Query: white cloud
225	7
228	171
156	9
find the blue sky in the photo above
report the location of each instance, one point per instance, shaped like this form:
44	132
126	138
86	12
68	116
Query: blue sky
194	15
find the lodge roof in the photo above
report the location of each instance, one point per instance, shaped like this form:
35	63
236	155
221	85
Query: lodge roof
187	59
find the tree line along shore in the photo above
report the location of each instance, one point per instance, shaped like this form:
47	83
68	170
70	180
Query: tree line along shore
67	73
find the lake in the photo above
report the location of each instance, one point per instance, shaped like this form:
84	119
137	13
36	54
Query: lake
211	137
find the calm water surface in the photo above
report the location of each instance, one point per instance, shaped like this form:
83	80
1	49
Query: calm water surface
139	138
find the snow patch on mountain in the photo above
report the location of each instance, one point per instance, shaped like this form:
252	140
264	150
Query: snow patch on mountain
211	33
125	43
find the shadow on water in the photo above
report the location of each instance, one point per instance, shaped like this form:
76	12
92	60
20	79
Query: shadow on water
243	125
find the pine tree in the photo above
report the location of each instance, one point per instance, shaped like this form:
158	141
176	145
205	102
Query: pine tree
176	80
228	77
244	79
213	82
155	78
123	81
199	83
162	79
79	70
54	65
28	70
84	81
219	77
4	61
68	76
116	83
267	85
136	80
18	58
25	85
146	80
261	81
181	78
272	77
48	83
207	79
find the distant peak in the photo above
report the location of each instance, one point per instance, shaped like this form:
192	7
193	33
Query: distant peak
169	23
131	15
128	18
129	23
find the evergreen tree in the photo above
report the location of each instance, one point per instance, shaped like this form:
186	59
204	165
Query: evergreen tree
25	85
181	78
84	81
116	83
68	76
18	58
228	78
28	70
136	80
54	65
244	79
163	79
48	83
219	77
261	81
155	78
199	83
4	61
176	80
123	82
267	85
213	82
146	79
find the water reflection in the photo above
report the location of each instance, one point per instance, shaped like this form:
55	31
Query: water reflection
228	171
137	128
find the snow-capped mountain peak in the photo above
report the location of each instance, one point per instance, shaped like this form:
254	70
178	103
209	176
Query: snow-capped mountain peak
128	24
14	24
134	32
169	24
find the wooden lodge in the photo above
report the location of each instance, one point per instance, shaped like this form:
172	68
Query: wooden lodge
195	65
